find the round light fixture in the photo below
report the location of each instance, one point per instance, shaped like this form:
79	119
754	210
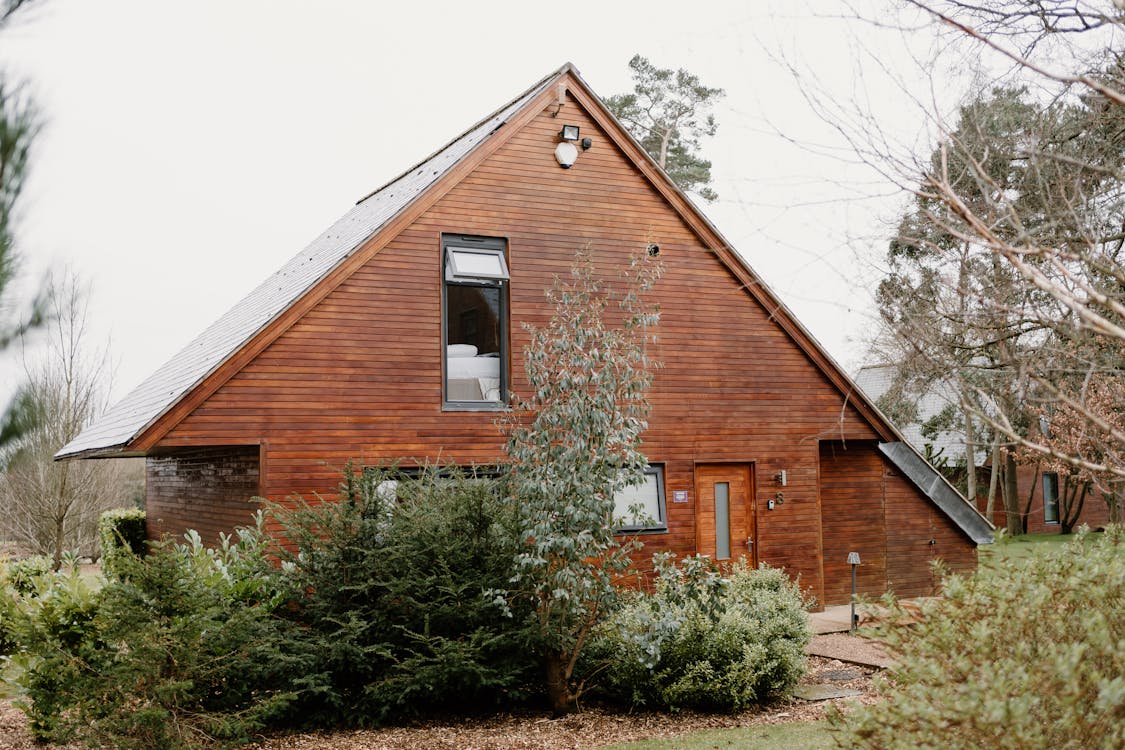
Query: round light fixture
567	154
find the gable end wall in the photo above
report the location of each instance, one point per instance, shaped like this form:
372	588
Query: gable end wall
359	376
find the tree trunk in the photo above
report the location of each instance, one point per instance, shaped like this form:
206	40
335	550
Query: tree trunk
993	480
1036	480
970	455
664	140
1075	494
1011	495
563	701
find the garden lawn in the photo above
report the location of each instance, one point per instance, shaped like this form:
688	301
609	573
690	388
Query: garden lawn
1019	548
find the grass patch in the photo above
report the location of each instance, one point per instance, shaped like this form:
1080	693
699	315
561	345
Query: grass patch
800	735
1019	548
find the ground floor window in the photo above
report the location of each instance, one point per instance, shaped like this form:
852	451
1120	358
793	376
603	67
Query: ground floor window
641	507
1051	497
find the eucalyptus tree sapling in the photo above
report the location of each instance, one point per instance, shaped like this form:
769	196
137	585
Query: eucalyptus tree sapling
573	442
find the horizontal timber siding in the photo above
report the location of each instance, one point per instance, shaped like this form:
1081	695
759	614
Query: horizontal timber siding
359	375
853	519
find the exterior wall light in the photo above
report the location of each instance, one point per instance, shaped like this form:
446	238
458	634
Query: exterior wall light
567	154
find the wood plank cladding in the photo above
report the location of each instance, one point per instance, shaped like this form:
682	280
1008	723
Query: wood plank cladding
206	489
357	375
869	508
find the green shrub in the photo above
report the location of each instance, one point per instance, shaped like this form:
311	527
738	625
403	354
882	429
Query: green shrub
182	650
121	534
1028	655
30	586
27	577
390	584
706	638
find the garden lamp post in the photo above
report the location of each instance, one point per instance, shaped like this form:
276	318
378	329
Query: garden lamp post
853	560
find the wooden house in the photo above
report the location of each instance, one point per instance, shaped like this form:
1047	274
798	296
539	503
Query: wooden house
397	334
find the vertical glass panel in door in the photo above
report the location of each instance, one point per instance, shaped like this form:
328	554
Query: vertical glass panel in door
722	520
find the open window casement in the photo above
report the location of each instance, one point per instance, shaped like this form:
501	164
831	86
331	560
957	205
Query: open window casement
475	264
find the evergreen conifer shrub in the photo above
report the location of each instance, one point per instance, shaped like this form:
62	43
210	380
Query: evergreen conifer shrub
392	584
121	534
180	651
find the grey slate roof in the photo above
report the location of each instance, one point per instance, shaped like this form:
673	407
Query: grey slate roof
161	390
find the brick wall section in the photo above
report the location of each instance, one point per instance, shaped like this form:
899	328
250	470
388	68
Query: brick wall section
1095	512
206	489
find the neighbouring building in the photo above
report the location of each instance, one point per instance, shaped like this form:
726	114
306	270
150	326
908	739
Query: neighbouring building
1042	504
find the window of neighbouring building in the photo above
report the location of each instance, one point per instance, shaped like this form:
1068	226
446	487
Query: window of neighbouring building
1051	497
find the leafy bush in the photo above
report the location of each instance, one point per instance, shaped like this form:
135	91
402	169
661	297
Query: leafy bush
181	650
122	534
706	638
28	576
1025	656
29	590
390	585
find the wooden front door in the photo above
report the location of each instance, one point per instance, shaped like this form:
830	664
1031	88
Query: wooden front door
724	512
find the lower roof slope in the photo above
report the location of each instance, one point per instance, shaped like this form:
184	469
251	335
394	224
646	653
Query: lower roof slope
160	391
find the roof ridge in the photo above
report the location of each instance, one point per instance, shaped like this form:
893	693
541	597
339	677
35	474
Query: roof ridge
568	67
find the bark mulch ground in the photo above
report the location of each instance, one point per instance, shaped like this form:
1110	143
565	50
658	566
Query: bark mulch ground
593	727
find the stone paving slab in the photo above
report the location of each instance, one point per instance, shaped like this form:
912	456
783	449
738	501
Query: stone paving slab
823	692
851	649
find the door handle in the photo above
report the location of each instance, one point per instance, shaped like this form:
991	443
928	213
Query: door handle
749	542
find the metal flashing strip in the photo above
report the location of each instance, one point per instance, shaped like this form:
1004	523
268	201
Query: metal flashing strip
926	478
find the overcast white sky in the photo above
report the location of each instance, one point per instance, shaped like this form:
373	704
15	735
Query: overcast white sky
192	148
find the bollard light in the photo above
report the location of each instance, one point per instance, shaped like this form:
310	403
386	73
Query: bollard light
853	560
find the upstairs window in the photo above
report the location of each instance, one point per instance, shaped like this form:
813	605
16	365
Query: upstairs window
474	321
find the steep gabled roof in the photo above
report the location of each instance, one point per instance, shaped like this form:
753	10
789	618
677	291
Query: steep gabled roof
118	427
156	405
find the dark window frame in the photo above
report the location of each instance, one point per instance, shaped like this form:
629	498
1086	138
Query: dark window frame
1051	502
661	526
448	278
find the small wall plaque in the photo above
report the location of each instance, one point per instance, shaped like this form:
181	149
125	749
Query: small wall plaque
679	496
